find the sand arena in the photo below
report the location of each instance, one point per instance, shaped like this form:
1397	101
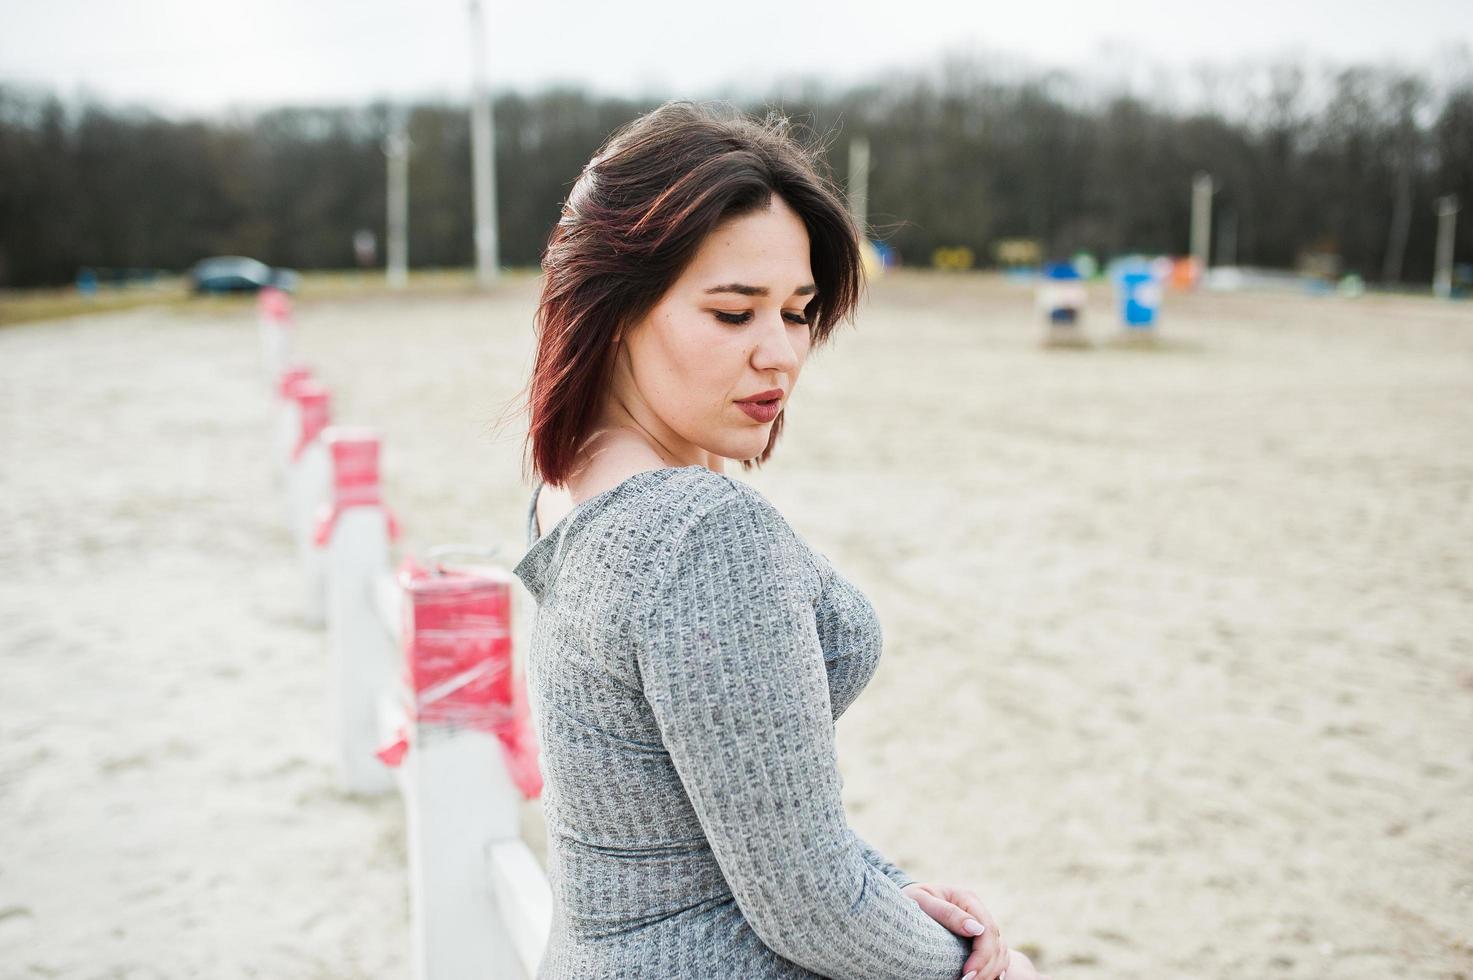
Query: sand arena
1179	642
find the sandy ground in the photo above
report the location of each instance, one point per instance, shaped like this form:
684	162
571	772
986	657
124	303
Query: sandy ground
1179	659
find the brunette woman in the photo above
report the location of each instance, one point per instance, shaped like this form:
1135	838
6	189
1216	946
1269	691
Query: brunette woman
691	652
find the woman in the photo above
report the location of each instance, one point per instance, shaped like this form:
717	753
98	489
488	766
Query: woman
691	653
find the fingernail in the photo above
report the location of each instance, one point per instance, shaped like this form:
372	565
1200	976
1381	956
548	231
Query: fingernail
973	927
969	976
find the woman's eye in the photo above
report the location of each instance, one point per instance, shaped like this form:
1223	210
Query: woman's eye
743	317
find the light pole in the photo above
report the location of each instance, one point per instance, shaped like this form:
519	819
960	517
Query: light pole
396	149
1442	276
859	183
483	155
1201	219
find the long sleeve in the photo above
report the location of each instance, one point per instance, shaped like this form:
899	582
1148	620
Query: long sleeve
882	864
731	666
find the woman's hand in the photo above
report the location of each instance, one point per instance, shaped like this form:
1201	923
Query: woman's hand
961	911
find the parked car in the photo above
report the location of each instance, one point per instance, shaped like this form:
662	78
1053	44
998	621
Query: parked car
237	274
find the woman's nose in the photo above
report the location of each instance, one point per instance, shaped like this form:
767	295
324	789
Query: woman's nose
775	350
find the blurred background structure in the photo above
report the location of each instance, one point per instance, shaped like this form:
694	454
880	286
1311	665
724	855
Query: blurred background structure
1330	138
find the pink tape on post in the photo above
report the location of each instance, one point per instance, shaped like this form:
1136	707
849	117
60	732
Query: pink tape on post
275	305
353	453
291	377
458	661
392	753
312	404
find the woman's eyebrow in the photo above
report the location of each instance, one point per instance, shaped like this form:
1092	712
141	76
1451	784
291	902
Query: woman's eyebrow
742	289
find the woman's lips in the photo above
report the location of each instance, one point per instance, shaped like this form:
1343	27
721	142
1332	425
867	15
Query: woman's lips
762	411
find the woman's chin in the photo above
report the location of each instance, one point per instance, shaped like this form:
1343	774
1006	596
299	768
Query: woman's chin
744	445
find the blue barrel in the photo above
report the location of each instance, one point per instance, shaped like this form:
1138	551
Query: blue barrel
1140	298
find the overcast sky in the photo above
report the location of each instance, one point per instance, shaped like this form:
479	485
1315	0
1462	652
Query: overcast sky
202	56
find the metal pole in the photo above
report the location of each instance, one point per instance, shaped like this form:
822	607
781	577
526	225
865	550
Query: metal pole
1201	218
859	183
396	148
483	155
1227	238
1442	276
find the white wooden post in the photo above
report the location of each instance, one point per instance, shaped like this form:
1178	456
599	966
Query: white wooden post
307	491
355	533
274	324
478	853
459	802
460	799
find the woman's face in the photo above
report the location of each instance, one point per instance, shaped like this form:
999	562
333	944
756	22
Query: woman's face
730	327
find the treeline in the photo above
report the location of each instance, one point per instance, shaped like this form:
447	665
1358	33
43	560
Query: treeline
1346	164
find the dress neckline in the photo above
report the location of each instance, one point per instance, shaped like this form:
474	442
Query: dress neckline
534	538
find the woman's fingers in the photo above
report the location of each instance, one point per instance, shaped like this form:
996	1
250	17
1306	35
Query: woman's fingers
987	948
953	917
989	956
988	960
972	902
962	911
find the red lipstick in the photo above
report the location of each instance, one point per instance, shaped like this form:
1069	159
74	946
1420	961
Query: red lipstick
763	406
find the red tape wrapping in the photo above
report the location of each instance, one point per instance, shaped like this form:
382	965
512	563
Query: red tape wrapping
274	304
355	483
291	378
328	514
458	663
312	399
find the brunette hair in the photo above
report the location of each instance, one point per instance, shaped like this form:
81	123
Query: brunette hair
633	222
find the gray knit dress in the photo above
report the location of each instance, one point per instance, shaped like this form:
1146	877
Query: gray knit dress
689	657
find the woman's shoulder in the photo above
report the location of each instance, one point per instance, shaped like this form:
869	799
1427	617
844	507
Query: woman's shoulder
680	499
725	549
711	498
714	519
685	513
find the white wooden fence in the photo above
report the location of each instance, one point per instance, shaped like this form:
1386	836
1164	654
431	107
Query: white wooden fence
424	698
